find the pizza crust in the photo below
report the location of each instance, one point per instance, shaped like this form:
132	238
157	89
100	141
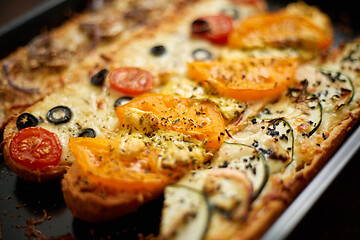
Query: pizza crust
94	205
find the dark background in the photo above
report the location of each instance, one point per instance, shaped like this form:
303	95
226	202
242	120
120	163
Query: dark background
336	215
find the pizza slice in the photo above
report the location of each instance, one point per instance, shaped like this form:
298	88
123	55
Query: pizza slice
269	157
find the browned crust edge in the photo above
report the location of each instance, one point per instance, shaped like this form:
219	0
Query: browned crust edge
93	205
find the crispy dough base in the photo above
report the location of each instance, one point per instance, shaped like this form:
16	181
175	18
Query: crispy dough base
93	205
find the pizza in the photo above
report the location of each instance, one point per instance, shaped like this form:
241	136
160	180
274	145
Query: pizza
226	110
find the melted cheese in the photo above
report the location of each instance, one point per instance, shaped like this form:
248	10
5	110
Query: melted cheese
91	107
230	108
177	40
177	149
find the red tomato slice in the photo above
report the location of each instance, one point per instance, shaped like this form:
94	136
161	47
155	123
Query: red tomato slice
131	80
35	148
215	29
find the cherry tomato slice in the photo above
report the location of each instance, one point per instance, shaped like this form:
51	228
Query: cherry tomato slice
215	29
131	80
35	148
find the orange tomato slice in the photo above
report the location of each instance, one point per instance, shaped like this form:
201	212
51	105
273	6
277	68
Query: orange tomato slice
245	79
103	164
200	119
279	29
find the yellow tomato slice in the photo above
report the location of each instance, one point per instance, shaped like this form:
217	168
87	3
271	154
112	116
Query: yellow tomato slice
245	79
102	163
279	29
200	119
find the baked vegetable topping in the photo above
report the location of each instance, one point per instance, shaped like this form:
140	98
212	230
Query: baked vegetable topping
339	88
104	162
245	79
131	80
99	78
59	114
25	120
204	202
122	100
44	52
88	132
158	50
201	54
280	151
200	119
212	28
244	158
273	138
315	116
231	12
279	29
7	71
186	214
35	148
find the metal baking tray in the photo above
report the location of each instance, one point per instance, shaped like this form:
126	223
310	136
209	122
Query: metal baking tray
326	209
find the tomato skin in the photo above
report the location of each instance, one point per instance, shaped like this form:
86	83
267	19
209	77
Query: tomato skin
131	80
215	29
202	120
35	148
105	168
245	79
279	29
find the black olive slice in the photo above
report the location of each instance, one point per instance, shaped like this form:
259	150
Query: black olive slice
201	54
88	132
98	79
26	120
122	100
158	50
200	26
231	12
59	114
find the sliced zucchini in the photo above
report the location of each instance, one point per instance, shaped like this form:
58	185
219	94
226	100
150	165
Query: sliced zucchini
186	213
274	138
315	116
280	149
351	57
247	159
229	192
339	88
